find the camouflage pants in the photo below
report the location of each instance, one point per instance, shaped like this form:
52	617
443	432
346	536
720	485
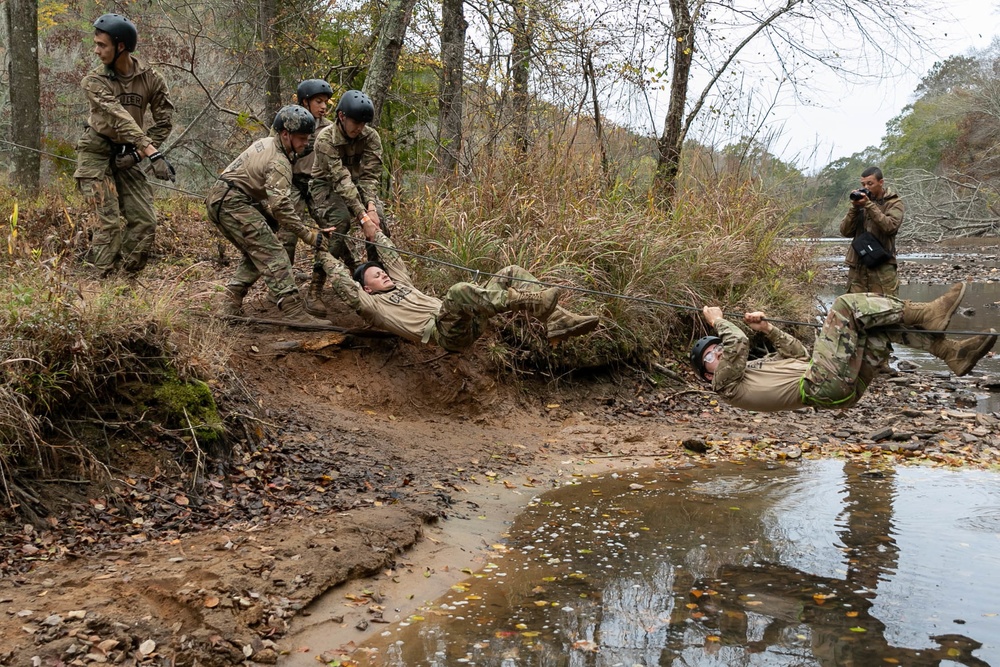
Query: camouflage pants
849	350
879	280
115	195
340	217
233	213
467	307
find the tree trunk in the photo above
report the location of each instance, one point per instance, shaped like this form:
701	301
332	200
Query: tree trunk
520	63
453	27
25	92
390	43
598	128
670	142
268	17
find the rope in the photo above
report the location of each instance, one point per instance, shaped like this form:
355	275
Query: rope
582	290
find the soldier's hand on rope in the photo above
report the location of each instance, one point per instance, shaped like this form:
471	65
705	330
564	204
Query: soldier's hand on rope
757	321
127	159
162	169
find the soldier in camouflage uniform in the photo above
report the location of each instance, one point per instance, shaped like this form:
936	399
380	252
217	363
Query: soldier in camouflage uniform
384	295
314	95
251	201
119	92
850	349
880	212
345	182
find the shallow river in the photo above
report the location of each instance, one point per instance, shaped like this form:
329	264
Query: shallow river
811	563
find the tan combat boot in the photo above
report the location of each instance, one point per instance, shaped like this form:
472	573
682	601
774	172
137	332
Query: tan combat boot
314	301
935	315
564	324
231	301
963	357
538	304
293	311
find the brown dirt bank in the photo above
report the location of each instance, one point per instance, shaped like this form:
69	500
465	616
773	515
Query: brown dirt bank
365	448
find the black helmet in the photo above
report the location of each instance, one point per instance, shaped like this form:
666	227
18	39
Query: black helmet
311	88
698	351
295	119
359	273
122	30
357	106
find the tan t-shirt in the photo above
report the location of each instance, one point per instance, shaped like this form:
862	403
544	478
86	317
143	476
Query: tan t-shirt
769	384
404	311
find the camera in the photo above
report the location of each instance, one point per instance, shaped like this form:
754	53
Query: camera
858	194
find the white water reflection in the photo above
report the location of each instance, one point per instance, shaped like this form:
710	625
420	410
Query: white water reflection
816	563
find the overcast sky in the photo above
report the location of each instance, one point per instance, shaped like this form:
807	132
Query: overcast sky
854	117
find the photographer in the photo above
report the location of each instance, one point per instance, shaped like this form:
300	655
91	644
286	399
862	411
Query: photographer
872	222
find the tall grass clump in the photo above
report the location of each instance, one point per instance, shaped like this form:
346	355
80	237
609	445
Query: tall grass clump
87	367
724	243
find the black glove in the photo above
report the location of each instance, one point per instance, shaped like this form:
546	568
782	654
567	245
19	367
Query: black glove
162	169
127	158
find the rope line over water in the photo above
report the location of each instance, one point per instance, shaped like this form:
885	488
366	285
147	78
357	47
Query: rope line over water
476	273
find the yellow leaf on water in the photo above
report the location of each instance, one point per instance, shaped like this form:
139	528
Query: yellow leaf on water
857	629
852	614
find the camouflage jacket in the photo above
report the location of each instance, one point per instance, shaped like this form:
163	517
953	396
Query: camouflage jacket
118	104
263	173
348	168
882	218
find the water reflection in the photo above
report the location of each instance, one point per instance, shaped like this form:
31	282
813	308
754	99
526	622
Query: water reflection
819	563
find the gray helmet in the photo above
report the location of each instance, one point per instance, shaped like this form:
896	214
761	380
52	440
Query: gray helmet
698	351
311	88
122	30
294	119
357	106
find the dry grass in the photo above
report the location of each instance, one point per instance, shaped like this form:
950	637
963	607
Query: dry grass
723	244
75	352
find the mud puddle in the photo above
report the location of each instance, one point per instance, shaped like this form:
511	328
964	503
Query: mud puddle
814	562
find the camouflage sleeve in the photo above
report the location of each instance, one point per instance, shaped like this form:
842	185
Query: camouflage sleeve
733	365
849	225
162	111
341	183
280	202
888	221
118	123
371	171
319	183
343	285
390	259
788	346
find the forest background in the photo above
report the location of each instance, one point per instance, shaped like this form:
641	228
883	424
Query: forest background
468	88
508	137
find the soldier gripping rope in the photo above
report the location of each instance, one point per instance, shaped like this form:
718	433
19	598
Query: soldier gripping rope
314	95
384	295
852	345
251	201
345	183
113	145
